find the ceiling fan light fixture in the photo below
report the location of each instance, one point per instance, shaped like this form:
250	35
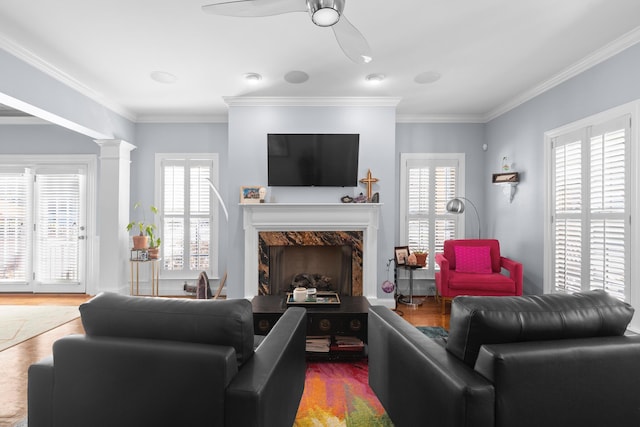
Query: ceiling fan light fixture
325	13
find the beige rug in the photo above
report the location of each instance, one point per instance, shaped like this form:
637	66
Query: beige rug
18	323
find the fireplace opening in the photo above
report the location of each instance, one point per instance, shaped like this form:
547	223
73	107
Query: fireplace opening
326	267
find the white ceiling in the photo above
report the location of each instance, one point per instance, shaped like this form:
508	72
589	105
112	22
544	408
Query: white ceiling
491	54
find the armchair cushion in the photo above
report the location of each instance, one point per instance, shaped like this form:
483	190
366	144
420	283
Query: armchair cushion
450	246
476	321
225	322
473	259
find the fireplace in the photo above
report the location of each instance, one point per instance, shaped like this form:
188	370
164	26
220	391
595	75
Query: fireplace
312	224
326	260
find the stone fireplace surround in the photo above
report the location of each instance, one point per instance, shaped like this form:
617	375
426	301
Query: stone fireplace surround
267	217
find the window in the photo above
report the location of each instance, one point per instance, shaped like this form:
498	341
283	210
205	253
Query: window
188	214
427	183
589	201
43	223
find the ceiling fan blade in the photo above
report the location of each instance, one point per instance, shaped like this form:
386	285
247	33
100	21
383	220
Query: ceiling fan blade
352	42
247	8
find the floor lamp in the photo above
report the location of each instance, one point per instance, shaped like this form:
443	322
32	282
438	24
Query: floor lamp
456	206
226	215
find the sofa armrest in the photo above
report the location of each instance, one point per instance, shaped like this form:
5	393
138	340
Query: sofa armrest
443	274
515	272
131	381
412	374
40	393
268	388
585	381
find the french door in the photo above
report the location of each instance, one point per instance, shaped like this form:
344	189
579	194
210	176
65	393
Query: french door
43	217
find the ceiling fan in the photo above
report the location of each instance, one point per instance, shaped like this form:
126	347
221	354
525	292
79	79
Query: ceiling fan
324	13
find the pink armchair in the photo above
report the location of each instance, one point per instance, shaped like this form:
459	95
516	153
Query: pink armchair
478	270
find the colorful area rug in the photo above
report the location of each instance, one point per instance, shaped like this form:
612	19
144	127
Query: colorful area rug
18	323
338	394
433	331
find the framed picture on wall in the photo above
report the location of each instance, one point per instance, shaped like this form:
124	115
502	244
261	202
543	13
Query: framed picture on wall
400	254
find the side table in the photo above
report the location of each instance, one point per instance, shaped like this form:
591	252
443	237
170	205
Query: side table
410	301
134	267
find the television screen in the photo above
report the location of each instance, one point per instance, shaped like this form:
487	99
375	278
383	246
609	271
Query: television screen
323	160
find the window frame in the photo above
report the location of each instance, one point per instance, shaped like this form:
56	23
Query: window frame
214	216
632	201
405	158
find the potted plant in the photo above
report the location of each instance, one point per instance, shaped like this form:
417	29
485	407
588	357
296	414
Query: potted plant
154	241
421	257
142	241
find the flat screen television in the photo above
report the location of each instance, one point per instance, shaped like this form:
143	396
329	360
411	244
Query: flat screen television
322	160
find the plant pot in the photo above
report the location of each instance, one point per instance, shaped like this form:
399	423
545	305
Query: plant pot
421	259
153	253
140	242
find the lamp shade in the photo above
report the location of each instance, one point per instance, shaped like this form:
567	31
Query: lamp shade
455	206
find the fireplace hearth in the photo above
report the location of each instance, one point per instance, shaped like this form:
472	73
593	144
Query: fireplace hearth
336	255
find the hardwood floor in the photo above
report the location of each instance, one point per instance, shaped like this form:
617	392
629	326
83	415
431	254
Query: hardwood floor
15	361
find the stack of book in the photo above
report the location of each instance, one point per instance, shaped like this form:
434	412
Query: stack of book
347	344
318	344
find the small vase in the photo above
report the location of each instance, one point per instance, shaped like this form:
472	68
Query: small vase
153	253
140	242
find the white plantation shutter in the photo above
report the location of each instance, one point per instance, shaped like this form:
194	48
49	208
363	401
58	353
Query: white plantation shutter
430	183
14	226
58	222
590	208
172	211
199	221
187	214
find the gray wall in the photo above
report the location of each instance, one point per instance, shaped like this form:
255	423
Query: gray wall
520	134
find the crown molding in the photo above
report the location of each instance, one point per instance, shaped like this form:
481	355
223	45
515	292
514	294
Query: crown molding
64	78
440	118
607	51
219	118
320	101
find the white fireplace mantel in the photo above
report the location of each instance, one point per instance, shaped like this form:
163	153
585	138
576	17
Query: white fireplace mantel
312	217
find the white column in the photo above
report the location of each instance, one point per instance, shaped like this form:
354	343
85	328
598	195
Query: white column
113	215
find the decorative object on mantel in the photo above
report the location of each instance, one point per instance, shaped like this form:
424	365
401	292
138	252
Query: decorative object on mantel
346	199
375	198
361	198
369	181
251	194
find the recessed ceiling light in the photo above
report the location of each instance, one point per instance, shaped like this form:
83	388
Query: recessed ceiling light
375	78
252	77
163	77
296	77
427	77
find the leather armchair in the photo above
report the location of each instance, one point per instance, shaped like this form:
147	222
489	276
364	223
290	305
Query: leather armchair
452	281
162	361
553	360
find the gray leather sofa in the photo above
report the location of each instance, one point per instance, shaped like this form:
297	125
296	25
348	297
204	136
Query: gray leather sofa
170	362
539	361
